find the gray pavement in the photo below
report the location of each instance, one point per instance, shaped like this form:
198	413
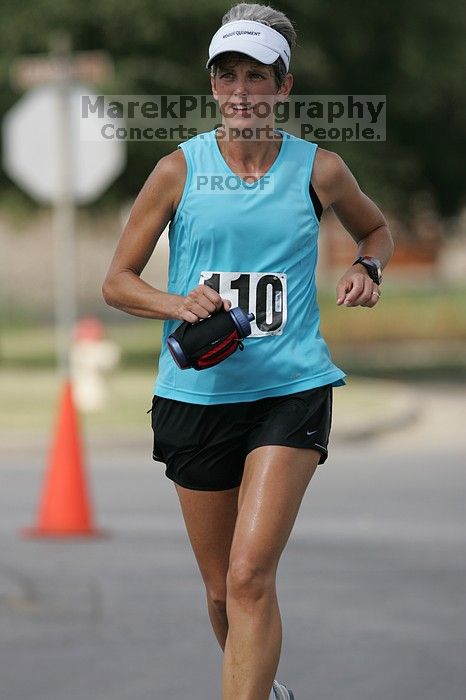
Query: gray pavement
371	583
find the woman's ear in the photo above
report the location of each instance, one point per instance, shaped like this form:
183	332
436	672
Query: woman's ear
285	87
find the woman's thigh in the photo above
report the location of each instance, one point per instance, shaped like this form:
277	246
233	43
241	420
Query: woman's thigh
274	481
210	518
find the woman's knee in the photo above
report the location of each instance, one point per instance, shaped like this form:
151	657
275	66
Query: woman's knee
249	578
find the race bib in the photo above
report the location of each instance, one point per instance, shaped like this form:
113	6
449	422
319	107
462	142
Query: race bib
261	293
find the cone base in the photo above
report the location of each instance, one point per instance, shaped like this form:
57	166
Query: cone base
35	532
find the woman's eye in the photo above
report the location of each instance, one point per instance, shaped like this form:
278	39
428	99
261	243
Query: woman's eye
231	76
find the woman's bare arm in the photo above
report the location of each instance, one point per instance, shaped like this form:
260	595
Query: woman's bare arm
153	208
362	218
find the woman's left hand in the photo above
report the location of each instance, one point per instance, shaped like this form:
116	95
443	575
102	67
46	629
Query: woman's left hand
357	289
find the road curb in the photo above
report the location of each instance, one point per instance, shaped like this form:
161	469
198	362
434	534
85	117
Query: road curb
369	408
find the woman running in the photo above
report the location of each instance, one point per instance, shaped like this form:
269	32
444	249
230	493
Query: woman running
242	440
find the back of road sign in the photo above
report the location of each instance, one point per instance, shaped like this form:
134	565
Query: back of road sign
31	148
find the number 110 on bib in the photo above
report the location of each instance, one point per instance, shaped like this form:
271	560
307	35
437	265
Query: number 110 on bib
262	293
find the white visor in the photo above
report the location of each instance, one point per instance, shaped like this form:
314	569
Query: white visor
251	38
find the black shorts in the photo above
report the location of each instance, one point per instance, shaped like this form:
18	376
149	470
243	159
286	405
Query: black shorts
204	447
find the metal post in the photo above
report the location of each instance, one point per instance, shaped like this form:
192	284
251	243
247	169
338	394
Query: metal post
64	212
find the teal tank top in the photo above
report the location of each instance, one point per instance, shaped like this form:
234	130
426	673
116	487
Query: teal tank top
256	244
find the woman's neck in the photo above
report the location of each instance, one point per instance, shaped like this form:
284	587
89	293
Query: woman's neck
256	155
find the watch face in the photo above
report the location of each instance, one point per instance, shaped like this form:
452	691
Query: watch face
373	273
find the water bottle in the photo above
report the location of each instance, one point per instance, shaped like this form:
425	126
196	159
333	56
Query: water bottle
206	343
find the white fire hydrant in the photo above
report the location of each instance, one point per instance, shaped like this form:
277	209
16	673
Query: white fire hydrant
92	358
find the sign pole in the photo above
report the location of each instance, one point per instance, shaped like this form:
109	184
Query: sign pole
64	217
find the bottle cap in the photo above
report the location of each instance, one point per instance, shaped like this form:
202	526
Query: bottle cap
242	321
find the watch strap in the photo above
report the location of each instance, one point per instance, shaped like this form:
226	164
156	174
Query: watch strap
372	266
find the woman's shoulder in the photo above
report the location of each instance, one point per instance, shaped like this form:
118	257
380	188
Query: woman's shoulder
166	181
175	165
171	169
329	169
172	166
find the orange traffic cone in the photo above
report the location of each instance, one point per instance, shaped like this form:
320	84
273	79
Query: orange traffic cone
64	510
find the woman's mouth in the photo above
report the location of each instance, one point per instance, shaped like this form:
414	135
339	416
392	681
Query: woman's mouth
240	110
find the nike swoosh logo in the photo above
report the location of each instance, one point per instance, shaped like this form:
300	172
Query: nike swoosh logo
311	432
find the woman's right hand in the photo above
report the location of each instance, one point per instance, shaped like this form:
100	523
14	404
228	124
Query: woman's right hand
200	303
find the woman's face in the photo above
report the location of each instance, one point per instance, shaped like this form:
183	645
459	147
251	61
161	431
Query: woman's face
246	91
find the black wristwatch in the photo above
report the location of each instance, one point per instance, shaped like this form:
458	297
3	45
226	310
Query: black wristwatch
372	266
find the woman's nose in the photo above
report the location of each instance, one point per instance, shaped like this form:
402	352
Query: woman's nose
239	87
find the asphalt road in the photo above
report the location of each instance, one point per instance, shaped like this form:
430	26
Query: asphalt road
371	584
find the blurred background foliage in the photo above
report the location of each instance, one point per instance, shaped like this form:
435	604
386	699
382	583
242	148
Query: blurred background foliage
412	51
